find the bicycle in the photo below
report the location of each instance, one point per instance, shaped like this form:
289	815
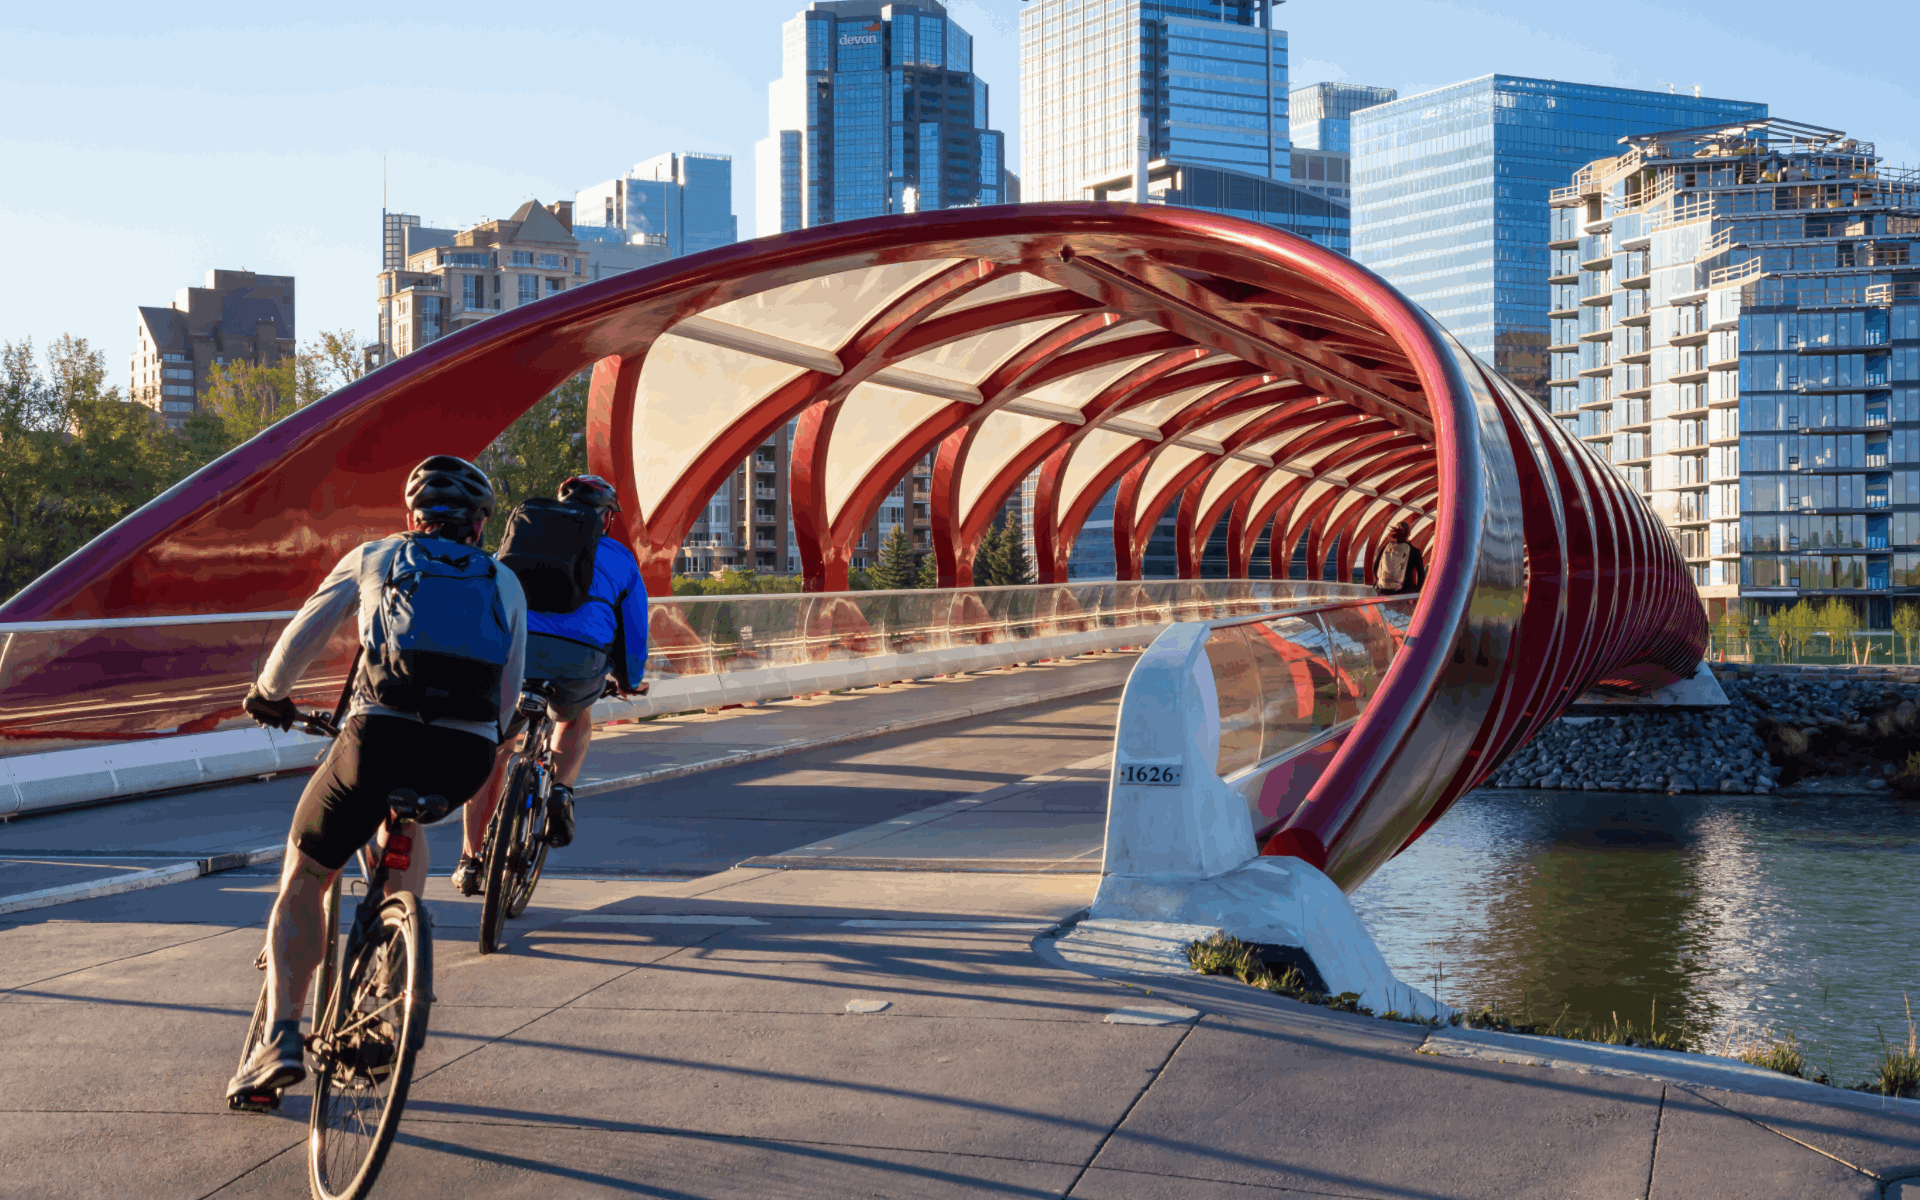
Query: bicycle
515	851
373	1000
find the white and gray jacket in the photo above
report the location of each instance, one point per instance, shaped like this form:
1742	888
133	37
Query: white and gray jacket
356	580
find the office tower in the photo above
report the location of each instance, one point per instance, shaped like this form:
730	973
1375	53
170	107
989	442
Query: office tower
877	110
1450	193
1736	325
239	317
1320	115
1192	94
1319	120
675	204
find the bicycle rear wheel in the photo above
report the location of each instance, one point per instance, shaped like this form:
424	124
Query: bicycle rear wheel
502	837
529	850
364	1050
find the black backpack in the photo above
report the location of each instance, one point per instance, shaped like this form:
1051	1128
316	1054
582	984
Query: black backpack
550	546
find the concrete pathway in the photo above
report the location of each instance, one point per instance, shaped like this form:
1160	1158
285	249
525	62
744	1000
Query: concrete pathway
764	1032
665	1023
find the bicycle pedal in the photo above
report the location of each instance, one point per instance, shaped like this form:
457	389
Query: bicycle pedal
255	1102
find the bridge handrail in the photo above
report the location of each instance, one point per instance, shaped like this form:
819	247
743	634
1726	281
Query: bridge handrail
103	679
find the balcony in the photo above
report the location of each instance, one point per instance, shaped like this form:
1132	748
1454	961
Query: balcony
765	493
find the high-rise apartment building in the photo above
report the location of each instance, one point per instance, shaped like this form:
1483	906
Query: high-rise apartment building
876	110
449	279
675	204
239	317
1736	325
1192	93
1450	192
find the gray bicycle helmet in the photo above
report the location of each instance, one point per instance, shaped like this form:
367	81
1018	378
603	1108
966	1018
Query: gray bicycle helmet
446	486
590	490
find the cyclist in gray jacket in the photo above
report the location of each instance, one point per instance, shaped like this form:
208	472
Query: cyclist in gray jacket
443	643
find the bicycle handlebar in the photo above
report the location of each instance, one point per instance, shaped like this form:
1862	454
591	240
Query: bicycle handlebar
318	724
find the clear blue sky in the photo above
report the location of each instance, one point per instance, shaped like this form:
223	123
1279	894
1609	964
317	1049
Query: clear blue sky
147	143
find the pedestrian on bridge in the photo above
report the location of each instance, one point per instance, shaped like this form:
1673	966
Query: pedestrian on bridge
1399	568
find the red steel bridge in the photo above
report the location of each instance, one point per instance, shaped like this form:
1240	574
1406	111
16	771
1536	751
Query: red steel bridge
1197	363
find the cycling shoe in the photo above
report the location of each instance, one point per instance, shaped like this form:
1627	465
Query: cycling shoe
277	1063
466	876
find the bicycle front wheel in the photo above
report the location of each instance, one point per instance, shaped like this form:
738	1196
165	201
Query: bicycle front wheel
364	1050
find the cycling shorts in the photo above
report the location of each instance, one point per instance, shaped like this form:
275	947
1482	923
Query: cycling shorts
577	671
345	802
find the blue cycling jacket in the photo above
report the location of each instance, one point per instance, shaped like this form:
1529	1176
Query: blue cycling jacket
615	619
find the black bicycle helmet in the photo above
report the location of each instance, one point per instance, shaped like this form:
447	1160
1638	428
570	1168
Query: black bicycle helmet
446	486
590	490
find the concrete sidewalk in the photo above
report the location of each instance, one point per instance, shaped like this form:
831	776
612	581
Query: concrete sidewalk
701	1039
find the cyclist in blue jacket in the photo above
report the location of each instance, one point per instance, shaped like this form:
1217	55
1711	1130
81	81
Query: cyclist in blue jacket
577	651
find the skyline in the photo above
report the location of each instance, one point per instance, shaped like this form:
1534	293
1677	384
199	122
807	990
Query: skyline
284	177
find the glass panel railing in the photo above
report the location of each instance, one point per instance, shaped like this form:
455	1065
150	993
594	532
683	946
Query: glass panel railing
704	635
1285	680
64	683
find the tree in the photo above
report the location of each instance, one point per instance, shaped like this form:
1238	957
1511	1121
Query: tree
928	575
1906	624
1733	631
539	451
1013	544
897	568
75	457
990	559
248	397
1793	628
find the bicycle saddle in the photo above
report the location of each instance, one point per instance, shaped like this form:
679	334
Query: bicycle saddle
408	805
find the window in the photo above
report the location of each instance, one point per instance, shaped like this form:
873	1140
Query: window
556	285
529	288
473	291
550	261
523	258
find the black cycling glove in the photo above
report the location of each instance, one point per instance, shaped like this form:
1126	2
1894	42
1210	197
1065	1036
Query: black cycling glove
274	714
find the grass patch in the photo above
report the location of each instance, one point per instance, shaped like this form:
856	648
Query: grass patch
1898	1072
1609	1033
1782	1054
1223	954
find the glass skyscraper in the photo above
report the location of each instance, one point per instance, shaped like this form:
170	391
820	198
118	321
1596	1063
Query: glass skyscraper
680	203
877	110
1210	76
1203	82
1450	192
1736	327
1320	115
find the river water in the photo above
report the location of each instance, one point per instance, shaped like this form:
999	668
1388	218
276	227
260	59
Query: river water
1735	914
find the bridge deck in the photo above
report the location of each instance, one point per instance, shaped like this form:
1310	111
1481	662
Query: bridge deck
665	1022
640	819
